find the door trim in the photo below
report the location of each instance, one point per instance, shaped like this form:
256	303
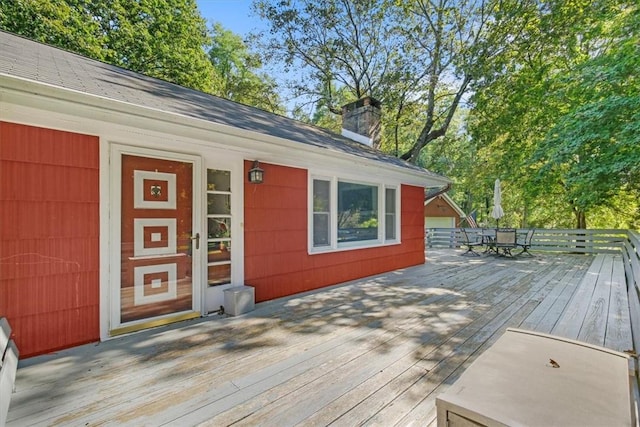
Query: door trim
115	327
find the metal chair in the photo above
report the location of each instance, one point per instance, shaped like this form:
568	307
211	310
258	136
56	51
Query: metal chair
506	241
526	243
470	242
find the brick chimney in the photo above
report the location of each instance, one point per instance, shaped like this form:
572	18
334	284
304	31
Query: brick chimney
361	121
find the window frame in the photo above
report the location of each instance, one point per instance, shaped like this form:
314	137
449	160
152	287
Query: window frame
334	245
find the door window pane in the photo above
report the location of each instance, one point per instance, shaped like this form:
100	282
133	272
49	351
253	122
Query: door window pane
219	274
218	180
219	251
219	228
219	204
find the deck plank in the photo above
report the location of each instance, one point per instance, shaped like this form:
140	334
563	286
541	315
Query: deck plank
618	336
374	351
594	325
571	321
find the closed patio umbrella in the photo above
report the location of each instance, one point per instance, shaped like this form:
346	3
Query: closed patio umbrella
497	211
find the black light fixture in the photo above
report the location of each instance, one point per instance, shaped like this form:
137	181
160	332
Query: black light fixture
256	173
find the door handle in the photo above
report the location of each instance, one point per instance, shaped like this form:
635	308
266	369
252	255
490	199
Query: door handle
197	239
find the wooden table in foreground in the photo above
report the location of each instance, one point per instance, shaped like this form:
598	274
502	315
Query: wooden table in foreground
532	379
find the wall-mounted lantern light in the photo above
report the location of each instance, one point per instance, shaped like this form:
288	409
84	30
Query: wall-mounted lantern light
256	174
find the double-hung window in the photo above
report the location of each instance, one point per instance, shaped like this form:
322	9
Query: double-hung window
349	214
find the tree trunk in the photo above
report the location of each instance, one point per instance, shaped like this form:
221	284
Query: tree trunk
581	219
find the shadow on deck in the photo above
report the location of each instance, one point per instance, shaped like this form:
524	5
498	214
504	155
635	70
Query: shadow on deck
373	351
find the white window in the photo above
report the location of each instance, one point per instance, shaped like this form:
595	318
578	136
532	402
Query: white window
351	214
357	212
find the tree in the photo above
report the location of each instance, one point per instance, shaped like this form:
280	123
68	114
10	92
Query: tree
419	57
561	120
594	147
337	43
237	72
162	39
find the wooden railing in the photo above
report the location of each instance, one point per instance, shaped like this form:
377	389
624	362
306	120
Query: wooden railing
551	240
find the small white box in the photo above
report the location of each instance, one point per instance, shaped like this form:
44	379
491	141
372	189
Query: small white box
239	300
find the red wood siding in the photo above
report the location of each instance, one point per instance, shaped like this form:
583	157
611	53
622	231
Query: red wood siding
276	259
49	237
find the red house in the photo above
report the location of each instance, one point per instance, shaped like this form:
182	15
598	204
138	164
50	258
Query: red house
126	201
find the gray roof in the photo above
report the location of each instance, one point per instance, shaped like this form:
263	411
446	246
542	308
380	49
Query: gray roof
26	59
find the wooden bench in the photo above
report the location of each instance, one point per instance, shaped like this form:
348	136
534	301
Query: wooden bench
8	367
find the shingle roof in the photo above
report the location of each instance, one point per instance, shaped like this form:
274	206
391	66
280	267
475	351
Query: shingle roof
26	59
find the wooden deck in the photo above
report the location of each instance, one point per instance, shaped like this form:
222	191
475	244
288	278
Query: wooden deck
375	351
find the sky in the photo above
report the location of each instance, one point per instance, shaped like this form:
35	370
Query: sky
234	15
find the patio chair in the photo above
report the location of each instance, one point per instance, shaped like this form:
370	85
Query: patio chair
526	243
505	241
471	241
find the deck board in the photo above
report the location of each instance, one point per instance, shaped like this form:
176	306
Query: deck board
617	334
571	320
594	325
375	351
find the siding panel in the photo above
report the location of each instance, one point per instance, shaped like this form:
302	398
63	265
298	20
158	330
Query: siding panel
49	237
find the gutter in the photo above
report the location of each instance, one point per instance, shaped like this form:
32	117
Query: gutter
442	190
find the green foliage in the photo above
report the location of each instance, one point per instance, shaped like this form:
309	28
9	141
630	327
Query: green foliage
162	39
594	147
237	72
66	24
560	122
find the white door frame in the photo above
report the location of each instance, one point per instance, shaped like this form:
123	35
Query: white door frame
115	174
